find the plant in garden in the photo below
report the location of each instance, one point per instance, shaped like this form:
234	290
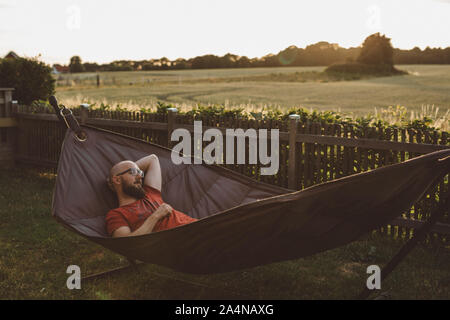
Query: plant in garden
391	117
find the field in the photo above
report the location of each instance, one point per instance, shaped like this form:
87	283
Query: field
35	252
426	85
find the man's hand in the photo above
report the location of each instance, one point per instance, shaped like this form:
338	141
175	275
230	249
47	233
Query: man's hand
163	211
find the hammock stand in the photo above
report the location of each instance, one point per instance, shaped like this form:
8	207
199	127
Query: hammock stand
418	236
67	118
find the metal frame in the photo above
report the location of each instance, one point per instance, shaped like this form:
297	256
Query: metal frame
410	244
133	265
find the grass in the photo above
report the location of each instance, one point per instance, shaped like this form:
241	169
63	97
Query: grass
425	85
35	252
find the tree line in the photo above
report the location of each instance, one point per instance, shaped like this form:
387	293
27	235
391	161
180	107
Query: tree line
318	54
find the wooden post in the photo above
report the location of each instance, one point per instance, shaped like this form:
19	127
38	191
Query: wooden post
171	114
7	124
84	112
98	80
8	103
12	132
292	169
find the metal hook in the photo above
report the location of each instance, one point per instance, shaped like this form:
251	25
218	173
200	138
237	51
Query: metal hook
61	112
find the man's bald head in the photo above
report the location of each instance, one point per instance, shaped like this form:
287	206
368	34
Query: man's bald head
129	185
118	168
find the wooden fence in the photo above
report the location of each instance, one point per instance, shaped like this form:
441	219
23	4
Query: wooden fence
309	153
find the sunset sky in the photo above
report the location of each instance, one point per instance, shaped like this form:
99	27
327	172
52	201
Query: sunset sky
102	31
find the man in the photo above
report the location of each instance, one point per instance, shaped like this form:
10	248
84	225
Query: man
141	208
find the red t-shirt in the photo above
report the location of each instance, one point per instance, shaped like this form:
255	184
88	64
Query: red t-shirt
134	214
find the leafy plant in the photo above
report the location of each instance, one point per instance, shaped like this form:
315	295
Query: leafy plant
30	78
392	117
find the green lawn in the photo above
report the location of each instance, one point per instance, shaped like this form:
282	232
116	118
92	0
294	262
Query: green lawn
425	85
35	252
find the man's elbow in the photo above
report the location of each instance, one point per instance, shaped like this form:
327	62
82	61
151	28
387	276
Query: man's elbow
121	232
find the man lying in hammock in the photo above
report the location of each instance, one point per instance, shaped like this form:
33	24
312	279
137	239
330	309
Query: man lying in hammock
141	208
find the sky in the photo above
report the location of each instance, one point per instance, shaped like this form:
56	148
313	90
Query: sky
106	30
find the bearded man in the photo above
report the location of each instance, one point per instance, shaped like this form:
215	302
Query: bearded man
141	207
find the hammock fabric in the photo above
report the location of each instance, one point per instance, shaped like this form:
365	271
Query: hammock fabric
243	223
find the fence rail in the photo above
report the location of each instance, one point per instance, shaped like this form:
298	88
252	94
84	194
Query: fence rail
309	152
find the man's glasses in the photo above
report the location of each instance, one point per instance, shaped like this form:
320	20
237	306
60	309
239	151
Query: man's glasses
133	172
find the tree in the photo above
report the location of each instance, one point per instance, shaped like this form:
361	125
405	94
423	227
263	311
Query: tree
205	62
243	62
288	55
75	64
228	61
377	50
90	67
30	78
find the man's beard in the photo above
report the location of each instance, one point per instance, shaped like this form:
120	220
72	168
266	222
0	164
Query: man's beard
134	190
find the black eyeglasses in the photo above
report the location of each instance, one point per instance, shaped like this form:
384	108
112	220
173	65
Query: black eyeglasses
133	172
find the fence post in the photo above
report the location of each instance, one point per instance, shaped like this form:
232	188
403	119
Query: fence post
84	110
292	165
7	126
13	132
171	114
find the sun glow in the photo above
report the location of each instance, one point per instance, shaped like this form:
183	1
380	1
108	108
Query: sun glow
103	31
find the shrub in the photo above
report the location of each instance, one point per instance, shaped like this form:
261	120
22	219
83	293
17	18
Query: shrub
363	69
396	117
30	78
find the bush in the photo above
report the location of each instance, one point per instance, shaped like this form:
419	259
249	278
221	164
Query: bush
31	79
363	69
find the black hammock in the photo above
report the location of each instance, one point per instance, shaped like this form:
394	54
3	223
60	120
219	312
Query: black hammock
242	222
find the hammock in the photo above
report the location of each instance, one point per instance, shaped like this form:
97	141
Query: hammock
242	222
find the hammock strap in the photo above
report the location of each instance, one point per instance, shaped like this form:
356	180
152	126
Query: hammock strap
66	117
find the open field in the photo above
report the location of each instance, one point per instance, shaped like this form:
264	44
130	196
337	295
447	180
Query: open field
35	252
425	85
